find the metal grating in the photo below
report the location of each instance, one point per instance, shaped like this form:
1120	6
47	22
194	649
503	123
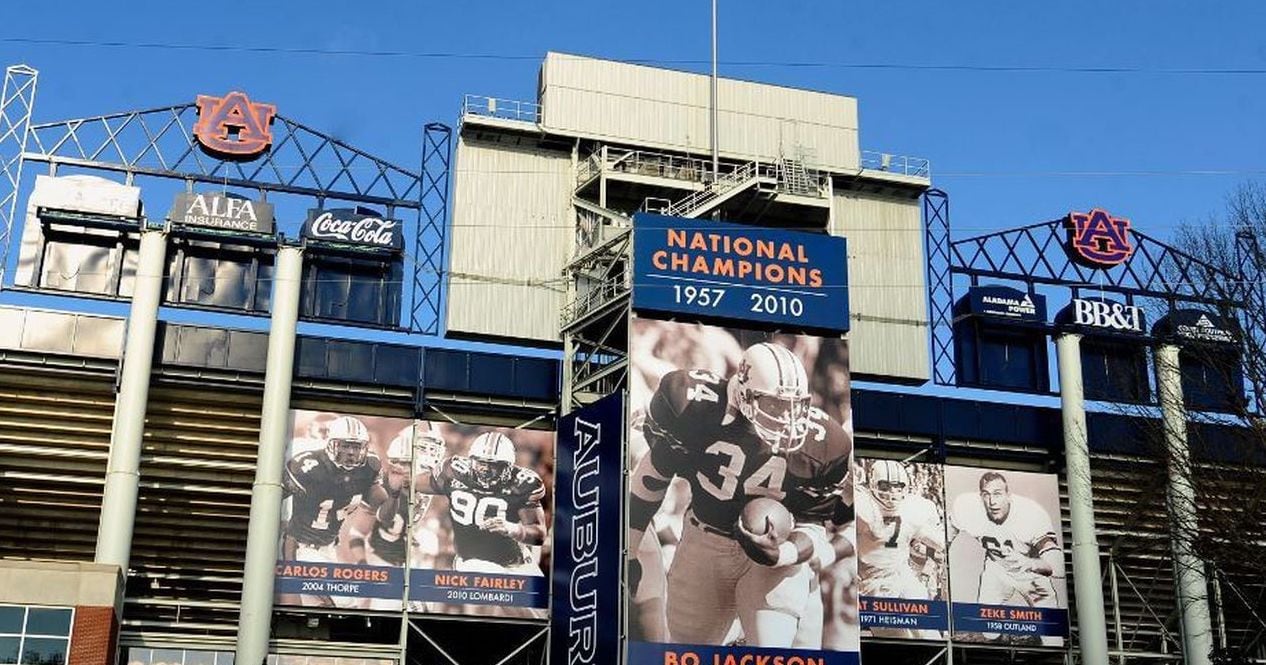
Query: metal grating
936	222
159	142
17	101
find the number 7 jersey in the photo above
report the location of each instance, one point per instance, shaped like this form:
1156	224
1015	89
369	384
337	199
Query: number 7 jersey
693	435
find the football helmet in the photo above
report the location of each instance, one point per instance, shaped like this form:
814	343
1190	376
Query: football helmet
771	389
419	444
889	482
492	458
347	442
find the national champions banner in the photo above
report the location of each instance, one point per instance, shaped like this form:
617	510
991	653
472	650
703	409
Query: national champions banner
586	576
717	271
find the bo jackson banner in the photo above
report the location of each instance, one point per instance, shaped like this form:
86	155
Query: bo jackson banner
900	508
342	545
479	520
586	576
1006	557
740	459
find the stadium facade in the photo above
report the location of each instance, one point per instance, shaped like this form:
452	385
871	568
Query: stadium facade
269	458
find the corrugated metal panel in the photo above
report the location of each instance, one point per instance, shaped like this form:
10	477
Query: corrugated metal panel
666	109
54	440
512	233
887	284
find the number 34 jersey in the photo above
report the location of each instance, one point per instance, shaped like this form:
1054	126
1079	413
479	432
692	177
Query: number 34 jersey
470	504
692	435
324	494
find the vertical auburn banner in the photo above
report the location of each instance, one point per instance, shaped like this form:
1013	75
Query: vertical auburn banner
586	581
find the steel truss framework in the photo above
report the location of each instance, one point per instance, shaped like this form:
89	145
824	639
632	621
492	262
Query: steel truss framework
1034	255
159	142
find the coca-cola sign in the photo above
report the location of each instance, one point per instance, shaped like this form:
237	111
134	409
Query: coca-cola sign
350	227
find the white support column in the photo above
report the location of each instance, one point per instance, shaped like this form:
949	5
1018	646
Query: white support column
1092	625
1189	572
264	531
123	471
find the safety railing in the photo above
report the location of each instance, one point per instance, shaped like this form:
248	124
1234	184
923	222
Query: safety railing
593	300
504	109
917	167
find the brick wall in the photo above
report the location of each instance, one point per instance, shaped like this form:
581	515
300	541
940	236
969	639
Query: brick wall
94	638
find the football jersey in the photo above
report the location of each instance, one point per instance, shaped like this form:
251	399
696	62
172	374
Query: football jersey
884	536
388	538
1027	529
470	504
325	494
727	464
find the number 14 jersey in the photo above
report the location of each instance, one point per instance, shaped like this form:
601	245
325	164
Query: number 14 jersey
692	435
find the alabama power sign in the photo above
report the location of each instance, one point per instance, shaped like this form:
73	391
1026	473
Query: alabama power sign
716	270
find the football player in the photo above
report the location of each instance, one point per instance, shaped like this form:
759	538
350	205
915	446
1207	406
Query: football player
386	544
495	507
326	486
889	521
1022	550
753	435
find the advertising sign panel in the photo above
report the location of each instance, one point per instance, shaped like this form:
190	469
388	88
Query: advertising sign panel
1006	303
900	509
716	270
740	491
465	507
217	211
1199	326
1103	316
481	514
586	535
346	226
1006	557
335	553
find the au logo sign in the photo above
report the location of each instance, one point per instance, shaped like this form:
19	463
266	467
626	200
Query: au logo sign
233	126
1098	239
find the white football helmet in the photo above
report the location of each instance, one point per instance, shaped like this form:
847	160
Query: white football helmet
347	442
889	482
771	390
492	458
419	444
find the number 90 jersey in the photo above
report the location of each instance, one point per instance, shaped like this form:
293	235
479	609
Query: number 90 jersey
692	435
470	504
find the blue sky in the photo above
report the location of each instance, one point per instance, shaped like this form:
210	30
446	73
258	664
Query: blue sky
1010	130
1010	147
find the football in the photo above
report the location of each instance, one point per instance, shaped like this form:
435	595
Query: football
765	514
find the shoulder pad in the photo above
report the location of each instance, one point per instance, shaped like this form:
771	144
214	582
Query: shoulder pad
688	396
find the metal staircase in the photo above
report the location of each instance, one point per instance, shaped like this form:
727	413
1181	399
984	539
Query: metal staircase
718	192
794	178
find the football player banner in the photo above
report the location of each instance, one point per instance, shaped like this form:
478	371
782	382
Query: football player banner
336	552
586	558
479	519
1006	557
900	509
740	498
464	506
